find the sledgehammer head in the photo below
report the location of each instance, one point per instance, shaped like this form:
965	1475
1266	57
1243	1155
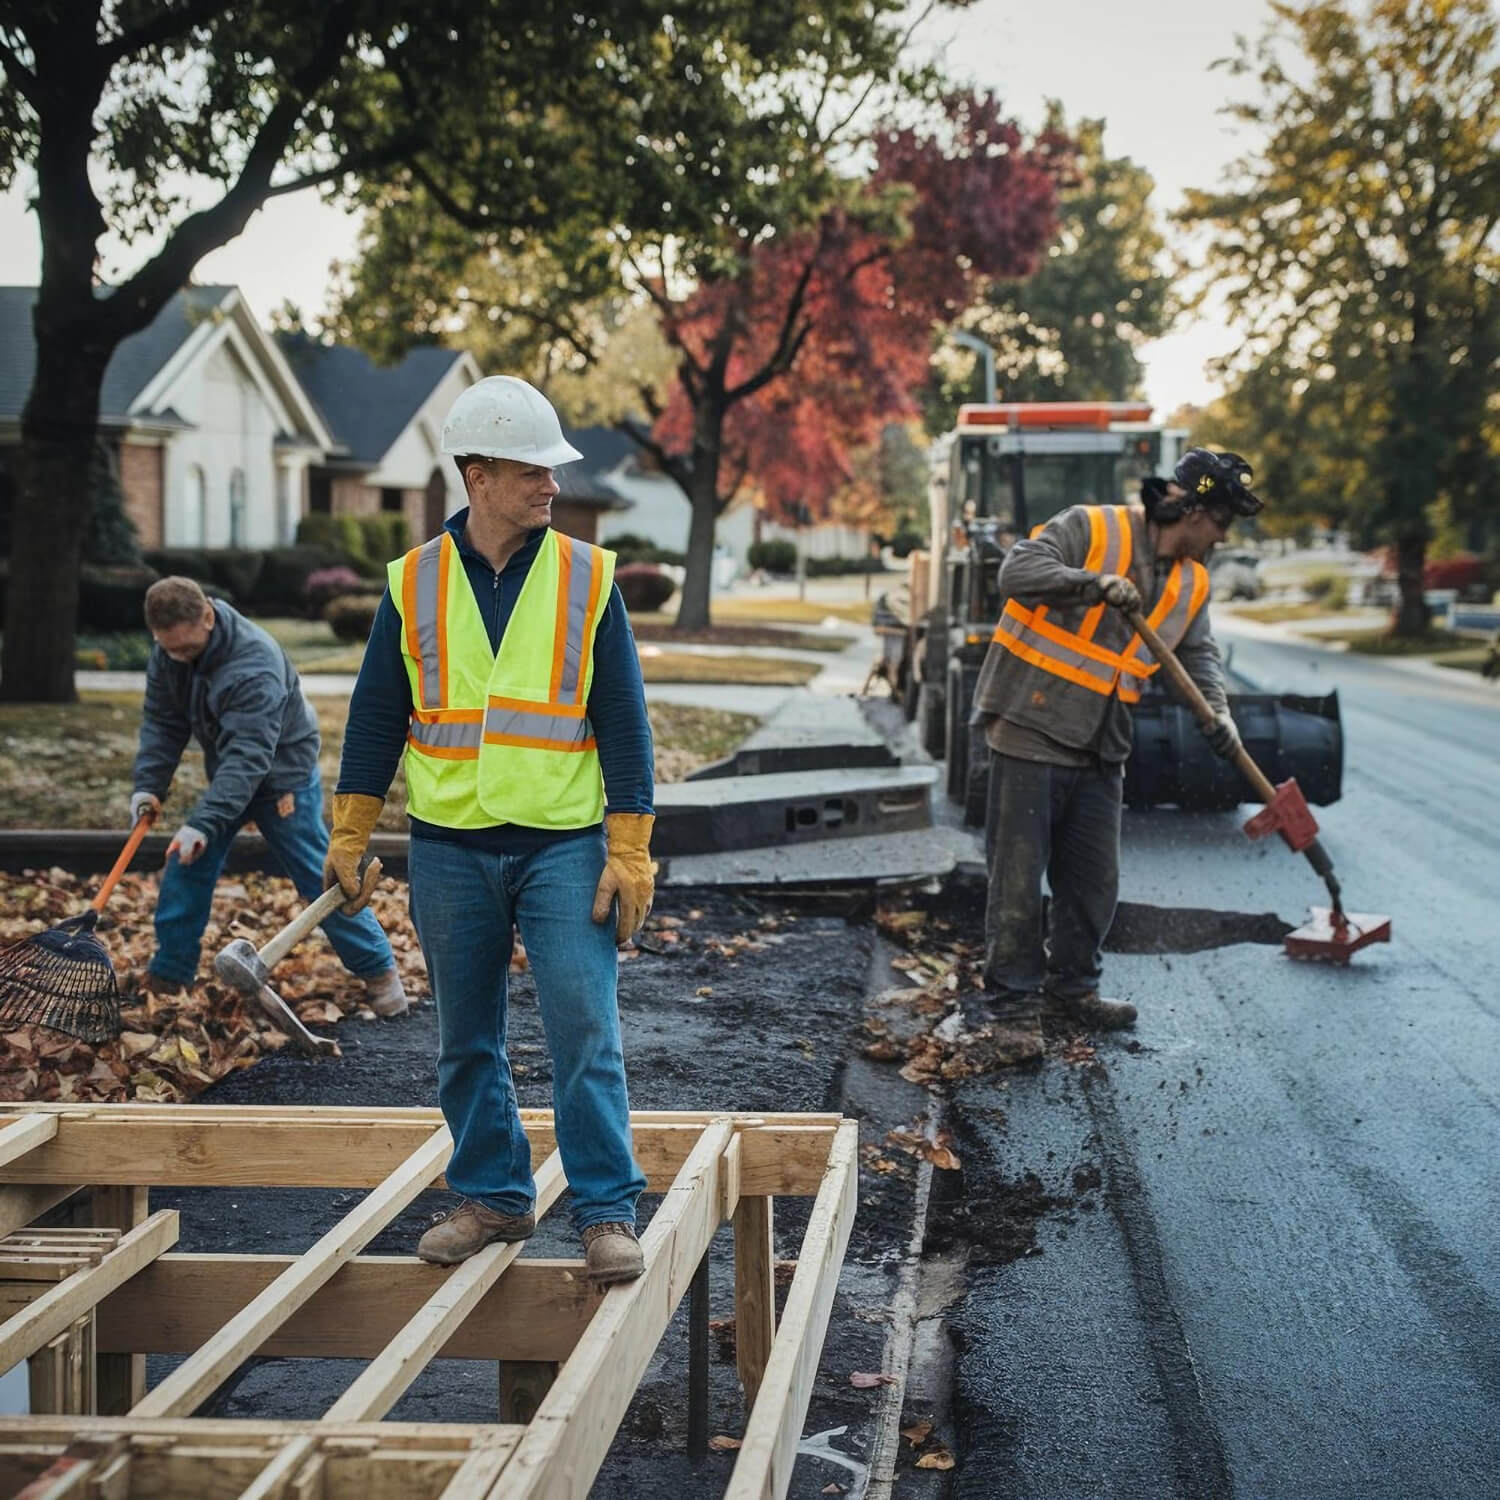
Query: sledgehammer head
240	965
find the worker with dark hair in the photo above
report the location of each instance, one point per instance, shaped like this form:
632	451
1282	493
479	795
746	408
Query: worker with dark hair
1055	696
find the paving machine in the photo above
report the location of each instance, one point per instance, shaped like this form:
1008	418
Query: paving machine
1006	468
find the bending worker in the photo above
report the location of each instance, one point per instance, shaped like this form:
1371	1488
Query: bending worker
1055	694
502	664
217	677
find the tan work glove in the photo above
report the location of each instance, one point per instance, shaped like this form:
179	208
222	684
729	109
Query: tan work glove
1112	588
628	873
354	817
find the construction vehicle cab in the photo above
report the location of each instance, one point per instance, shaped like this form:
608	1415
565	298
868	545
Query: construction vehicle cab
1004	470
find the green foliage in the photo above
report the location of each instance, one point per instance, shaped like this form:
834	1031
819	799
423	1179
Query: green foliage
1330	589
113	597
837	567
643	587
179	562
281	588
116	651
1356	247
1073	329
351	616
776	556
638	549
112	537
368	543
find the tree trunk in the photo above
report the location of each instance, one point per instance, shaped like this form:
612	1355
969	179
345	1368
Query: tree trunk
703	495
50	514
1411	611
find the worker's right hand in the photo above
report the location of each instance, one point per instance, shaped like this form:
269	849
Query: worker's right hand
1118	591
354	818
143	804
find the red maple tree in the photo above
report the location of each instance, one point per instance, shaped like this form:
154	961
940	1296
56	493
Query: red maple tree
790	365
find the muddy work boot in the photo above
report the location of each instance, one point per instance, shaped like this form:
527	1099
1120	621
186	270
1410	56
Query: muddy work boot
468	1229
1015	1029
1095	1012
385	995
614	1253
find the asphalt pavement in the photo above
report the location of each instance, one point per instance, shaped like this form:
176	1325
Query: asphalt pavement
1265	1261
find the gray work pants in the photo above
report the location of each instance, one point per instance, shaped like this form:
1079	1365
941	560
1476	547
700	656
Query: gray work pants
1063	823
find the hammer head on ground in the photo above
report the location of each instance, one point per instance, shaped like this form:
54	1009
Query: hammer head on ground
240	965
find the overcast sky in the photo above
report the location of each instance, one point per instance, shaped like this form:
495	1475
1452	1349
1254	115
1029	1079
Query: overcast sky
1143	67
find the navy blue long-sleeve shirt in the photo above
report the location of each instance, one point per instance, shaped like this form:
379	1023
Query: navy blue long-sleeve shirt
380	709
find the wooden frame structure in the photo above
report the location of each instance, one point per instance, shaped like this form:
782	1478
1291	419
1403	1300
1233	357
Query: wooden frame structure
86	1303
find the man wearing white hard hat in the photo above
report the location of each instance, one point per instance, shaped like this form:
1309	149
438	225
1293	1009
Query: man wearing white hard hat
501	666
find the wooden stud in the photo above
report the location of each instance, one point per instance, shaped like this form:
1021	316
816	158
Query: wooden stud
121	1377
193	1381
21	1203
23	1135
769	1449
754	1292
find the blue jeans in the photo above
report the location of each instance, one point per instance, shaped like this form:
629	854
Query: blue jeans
1063	823
299	844
466	905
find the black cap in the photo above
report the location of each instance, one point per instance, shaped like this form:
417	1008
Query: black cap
1218	479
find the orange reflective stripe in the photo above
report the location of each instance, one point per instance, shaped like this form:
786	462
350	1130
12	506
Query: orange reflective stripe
560	630
530	706
1032	620
531	742
1056	668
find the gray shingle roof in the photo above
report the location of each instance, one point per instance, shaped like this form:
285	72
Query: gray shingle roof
366	406
135	362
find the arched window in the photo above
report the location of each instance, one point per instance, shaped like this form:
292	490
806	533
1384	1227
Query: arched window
195	512
237	508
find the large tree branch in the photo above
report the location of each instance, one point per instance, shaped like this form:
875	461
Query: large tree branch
398	148
792	335
672	464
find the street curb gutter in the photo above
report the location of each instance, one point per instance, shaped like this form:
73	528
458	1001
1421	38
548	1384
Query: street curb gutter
896	1360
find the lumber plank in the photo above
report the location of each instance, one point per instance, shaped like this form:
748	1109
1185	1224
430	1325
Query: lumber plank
41	1320
122	1377
754	1291
567	1439
536	1311
20	1203
24	1135
202	1373
763	1468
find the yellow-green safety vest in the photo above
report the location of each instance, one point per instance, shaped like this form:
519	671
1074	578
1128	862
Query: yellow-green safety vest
502	736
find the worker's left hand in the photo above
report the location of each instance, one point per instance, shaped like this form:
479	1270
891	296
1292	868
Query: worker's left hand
629	873
187	844
1222	735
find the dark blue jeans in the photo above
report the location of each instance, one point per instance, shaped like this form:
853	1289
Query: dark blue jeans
1065	824
299	844
466	905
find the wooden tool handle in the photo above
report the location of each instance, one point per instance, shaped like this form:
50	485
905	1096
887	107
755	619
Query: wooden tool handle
1200	705
302	924
126	855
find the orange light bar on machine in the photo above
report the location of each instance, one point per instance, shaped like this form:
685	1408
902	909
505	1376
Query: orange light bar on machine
1095	414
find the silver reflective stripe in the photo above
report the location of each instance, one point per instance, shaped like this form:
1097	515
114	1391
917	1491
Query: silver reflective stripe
1013	629
428	573
580	578
538	724
447	736
1115	522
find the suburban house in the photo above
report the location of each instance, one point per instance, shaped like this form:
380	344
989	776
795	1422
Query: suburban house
226	436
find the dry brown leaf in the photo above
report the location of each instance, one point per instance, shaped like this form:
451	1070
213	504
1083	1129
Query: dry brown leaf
721	1443
942	1157
938	1458
917	1433
867	1380
885	1050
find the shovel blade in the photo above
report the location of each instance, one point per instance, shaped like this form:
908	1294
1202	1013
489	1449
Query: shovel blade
1321	938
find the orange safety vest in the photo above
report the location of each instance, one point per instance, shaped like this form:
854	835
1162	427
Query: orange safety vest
1074	654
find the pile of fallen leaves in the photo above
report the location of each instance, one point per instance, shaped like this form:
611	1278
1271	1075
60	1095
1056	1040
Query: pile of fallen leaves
922	1023
172	1046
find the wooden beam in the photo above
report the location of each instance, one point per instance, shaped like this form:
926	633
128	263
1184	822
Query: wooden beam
20	1204
23	1135
246	1146
37	1324
121	1377
763	1469
193	1381
537	1310
754	1291
567	1439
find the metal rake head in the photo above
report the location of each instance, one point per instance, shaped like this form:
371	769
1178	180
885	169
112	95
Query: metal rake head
61	979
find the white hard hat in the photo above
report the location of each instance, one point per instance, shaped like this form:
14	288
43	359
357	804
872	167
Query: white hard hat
503	417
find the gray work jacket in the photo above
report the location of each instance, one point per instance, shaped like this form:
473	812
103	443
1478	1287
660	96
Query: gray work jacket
1048	569
242	701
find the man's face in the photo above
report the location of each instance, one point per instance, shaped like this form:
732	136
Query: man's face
520	494
187	640
1204	529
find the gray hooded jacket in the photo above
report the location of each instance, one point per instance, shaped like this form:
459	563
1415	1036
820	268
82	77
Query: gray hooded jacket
241	700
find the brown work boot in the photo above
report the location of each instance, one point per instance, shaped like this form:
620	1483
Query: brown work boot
1094	1011
468	1229
1013	1037
385	995
614	1253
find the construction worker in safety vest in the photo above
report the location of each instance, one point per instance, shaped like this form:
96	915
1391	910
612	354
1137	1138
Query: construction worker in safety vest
501	666
1055	696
